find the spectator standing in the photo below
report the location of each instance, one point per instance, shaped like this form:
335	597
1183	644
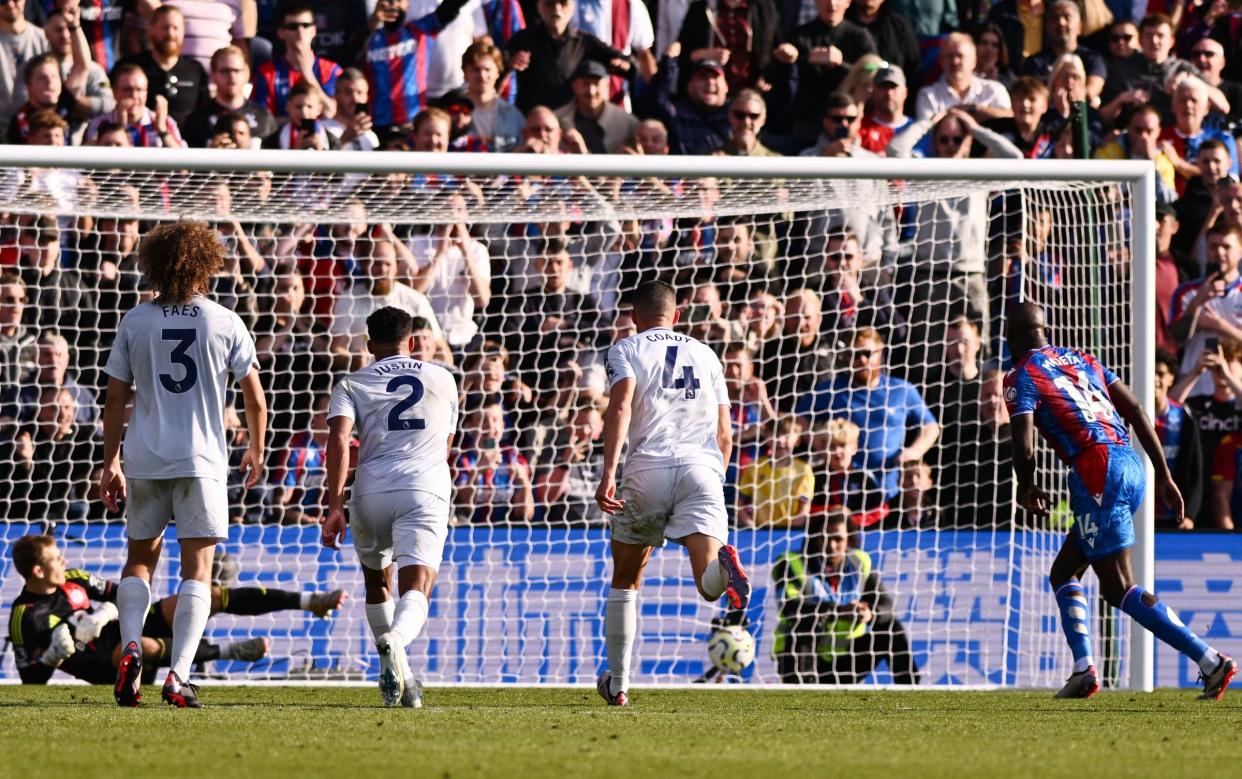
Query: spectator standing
884	112
495	121
229	76
959	86
44	91
352	124
20	41
454	271
493	482
747	115
495	20
1209	309
1178	431
210	25
84	79
1181	142
546	54
1209	57
992	55
179	80
1062	28
931	18
893	34
604	126
104	23
697	121
297	62
394	60
888	411
1219	414
739	34
626	26
821	51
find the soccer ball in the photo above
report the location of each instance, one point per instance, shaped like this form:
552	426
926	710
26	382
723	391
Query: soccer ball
731	648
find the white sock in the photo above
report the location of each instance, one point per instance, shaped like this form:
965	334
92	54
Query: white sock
1083	663
410	616
133	601
189	622
1209	661
379	617
714	580
620	625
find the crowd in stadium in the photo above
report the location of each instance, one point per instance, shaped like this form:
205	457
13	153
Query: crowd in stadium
524	319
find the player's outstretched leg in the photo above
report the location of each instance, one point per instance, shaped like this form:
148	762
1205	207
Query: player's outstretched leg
189	619
252	601
1119	589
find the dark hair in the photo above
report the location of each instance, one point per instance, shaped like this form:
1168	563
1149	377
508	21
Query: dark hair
285	10
28	552
1223	227
126	68
837	101
179	259
654	299
389	325
303	88
419	323
1212	143
1155	20
818	522
1002	56
1167	359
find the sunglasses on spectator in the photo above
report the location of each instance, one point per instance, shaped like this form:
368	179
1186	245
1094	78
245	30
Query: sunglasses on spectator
290	26
841	118
1120	38
952	140
739	114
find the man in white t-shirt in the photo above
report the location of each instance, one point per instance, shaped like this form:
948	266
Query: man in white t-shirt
352	307
455	273
667	396
173	356
406	411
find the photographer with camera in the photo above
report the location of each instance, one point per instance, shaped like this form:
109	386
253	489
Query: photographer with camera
841	122
352	124
229	75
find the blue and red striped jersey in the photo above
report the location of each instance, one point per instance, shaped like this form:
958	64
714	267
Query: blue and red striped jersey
504	17
396	65
1067	391
274	79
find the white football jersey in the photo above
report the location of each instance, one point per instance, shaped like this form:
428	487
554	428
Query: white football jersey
405	410
178	358
679	388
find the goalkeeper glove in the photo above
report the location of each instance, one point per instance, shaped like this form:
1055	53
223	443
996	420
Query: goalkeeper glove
89	625
61	647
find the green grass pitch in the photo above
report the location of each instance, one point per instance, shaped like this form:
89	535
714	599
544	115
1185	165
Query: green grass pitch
257	732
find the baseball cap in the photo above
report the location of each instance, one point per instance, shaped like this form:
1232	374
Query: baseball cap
890	75
590	69
715	65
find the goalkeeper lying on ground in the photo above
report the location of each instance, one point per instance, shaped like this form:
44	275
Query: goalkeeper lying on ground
66	619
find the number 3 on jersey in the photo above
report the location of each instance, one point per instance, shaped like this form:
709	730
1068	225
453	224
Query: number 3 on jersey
686	382
395	422
185	338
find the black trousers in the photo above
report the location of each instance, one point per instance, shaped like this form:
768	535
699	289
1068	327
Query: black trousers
886	642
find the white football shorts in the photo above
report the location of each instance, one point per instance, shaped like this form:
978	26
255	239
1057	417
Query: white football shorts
198	506
671	503
408	527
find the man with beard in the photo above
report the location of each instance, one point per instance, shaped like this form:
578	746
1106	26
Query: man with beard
181	81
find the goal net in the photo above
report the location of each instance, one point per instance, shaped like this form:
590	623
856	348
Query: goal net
860	321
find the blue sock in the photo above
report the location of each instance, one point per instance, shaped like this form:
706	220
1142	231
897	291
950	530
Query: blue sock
1073	604
1164	625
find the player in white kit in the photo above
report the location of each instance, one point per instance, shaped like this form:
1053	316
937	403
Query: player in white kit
405	410
667	395
173	356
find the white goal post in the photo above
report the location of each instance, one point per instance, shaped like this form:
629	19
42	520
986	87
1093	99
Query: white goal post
1076	212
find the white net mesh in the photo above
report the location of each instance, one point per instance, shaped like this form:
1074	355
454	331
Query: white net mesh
525	280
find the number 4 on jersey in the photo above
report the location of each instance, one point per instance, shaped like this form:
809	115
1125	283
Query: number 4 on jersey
686	382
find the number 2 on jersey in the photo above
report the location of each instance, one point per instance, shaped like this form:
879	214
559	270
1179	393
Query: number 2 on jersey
185	338
395	422
686	381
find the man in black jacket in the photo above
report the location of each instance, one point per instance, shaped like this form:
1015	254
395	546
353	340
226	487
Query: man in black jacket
894	36
546	54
